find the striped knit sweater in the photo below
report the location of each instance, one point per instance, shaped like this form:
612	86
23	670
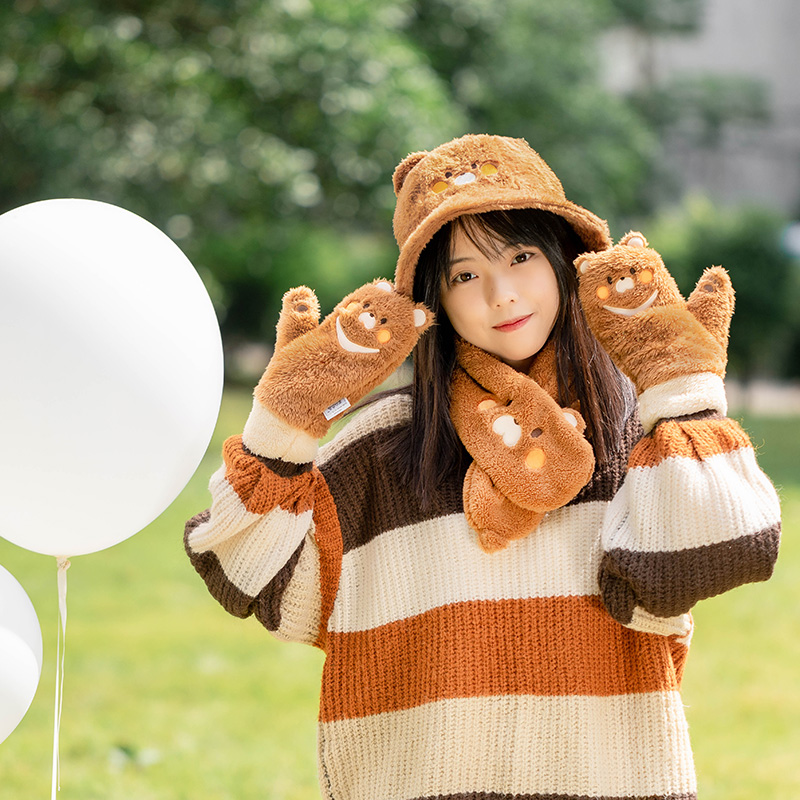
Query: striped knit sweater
547	671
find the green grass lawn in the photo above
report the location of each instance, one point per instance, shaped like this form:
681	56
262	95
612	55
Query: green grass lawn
167	697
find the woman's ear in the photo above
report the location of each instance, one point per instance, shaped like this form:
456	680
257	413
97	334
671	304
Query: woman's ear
404	167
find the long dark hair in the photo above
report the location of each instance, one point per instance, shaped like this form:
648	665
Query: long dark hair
428	451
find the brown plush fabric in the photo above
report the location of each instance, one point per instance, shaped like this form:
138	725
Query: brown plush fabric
470	175
634	308
530	455
356	347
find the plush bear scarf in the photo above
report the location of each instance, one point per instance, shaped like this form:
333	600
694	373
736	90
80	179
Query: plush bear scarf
529	455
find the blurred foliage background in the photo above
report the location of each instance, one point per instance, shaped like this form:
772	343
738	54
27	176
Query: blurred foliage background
262	135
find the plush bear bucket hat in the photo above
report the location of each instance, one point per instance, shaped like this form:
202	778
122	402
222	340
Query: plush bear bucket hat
470	175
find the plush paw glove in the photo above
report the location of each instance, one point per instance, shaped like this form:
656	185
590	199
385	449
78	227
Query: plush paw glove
530	455
675	351
319	370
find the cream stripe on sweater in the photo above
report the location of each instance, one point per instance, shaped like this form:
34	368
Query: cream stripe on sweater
676	485
566	746
567	540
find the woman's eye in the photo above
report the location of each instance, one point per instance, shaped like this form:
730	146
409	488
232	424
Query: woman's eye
462	277
521	258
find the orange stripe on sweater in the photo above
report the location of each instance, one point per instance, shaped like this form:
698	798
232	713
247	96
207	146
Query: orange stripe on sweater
694	439
680	653
260	489
328	535
542	646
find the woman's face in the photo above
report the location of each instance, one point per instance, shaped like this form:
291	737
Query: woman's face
504	303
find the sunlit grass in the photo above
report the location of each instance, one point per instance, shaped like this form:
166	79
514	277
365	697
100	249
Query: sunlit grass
167	697
742	684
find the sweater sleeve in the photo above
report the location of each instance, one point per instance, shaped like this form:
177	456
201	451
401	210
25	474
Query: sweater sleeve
694	516
269	545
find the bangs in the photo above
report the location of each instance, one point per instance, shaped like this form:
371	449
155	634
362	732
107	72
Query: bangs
483	233
493	231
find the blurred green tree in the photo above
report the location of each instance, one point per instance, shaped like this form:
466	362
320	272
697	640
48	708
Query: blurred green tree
246	130
262	135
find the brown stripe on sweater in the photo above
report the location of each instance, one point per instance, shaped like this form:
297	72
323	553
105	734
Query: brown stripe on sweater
697	439
501	796
558	646
670	583
286	469
259	488
266	604
196	521
708	413
372	499
230	597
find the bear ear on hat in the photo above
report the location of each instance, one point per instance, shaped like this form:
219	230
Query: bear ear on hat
404	167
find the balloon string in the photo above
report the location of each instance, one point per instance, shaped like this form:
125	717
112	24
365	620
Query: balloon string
63	566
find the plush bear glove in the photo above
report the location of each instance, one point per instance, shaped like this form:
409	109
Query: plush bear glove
675	351
319	370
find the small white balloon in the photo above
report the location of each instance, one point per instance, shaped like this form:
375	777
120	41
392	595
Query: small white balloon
112	367
20	653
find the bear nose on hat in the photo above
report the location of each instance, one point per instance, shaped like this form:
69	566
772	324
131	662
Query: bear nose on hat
466	177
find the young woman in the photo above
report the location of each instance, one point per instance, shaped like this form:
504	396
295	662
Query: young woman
499	563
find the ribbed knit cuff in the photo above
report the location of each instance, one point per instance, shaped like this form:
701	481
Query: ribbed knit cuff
681	396
271	437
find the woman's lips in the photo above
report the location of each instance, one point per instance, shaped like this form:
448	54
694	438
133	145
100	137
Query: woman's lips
512	324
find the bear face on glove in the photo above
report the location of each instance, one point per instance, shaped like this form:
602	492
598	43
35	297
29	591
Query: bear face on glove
363	323
635	310
627	286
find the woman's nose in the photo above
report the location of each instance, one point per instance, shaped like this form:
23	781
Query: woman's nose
502	291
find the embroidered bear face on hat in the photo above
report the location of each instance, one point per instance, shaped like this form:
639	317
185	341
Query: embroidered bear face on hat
471	175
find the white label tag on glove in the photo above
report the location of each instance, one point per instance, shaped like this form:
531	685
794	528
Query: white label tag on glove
337	408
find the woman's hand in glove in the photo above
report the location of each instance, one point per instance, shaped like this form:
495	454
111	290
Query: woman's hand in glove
674	350
634	308
319	370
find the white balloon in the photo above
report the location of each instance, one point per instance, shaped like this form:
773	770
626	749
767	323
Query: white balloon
112	372
20	653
